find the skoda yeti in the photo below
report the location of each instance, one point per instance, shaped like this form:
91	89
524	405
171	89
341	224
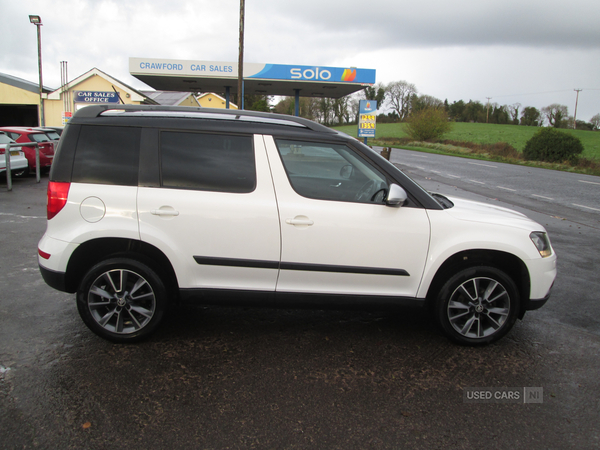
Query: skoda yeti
148	206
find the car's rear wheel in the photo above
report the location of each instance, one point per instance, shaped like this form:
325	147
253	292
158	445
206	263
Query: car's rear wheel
477	305
122	299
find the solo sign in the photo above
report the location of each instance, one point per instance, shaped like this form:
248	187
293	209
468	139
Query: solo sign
367	118
96	97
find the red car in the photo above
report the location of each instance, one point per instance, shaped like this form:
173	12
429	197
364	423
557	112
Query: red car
26	134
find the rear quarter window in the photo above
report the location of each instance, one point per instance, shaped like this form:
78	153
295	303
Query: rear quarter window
107	155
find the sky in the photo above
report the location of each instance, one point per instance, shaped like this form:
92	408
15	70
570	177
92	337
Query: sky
532	52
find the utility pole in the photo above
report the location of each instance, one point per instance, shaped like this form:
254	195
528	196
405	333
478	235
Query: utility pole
241	59
575	114
487	115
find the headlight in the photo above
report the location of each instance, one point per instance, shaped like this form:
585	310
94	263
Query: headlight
542	243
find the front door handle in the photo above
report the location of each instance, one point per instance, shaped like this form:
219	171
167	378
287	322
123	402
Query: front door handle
165	211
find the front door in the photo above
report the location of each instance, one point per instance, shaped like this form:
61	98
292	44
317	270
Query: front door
337	234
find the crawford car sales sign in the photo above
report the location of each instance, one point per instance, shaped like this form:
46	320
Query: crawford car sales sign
96	97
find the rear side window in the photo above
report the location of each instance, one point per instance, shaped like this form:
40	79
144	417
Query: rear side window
207	162
107	155
39	137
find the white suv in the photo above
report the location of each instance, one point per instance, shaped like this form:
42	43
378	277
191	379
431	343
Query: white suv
152	205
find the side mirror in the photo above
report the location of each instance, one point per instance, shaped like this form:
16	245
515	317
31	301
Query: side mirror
396	196
347	171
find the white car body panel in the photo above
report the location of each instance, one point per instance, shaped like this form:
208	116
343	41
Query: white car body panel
347	234
471	225
219	225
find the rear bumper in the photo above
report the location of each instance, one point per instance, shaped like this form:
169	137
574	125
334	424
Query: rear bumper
56	280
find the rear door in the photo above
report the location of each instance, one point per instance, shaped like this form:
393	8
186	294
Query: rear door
215	214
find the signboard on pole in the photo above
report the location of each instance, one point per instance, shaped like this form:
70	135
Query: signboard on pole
66	116
367	118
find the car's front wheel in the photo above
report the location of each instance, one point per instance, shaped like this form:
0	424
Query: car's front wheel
122	299
478	305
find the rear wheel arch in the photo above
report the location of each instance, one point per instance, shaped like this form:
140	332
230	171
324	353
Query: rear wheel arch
94	251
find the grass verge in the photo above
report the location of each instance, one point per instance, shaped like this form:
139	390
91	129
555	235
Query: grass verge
502	143
500	152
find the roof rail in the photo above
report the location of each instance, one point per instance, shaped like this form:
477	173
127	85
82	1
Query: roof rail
203	113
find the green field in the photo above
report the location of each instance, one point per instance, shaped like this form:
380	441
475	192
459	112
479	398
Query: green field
483	133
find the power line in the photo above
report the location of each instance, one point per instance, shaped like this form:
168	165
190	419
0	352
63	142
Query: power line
546	92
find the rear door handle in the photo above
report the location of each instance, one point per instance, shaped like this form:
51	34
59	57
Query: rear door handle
300	221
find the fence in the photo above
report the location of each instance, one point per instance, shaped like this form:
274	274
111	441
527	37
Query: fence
7	158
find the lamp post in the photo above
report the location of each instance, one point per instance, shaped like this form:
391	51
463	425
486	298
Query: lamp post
37	21
241	59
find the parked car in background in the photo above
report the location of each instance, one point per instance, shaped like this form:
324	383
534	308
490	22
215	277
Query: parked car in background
26	134
50	132
57	130
18	162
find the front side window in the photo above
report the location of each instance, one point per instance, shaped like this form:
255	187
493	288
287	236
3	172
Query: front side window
207	162
336	172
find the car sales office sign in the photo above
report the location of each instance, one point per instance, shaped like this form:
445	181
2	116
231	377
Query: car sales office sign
367	119
96	97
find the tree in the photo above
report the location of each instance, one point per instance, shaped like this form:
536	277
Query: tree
595	121
325	113
257	102
425	101
474	112
287	105
340	108
429	123
513	110
555	114
399	95
530	117
456	111
377	92
499	114
583	125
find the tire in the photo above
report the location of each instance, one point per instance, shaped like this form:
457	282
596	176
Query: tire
122	300
477	306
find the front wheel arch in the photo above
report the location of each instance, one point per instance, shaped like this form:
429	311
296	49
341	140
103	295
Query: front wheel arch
506	262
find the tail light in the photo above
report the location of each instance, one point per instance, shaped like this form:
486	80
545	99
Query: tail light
57	197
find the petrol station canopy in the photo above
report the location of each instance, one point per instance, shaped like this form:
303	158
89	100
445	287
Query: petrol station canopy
259	79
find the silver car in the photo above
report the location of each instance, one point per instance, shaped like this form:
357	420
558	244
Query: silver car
18	162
